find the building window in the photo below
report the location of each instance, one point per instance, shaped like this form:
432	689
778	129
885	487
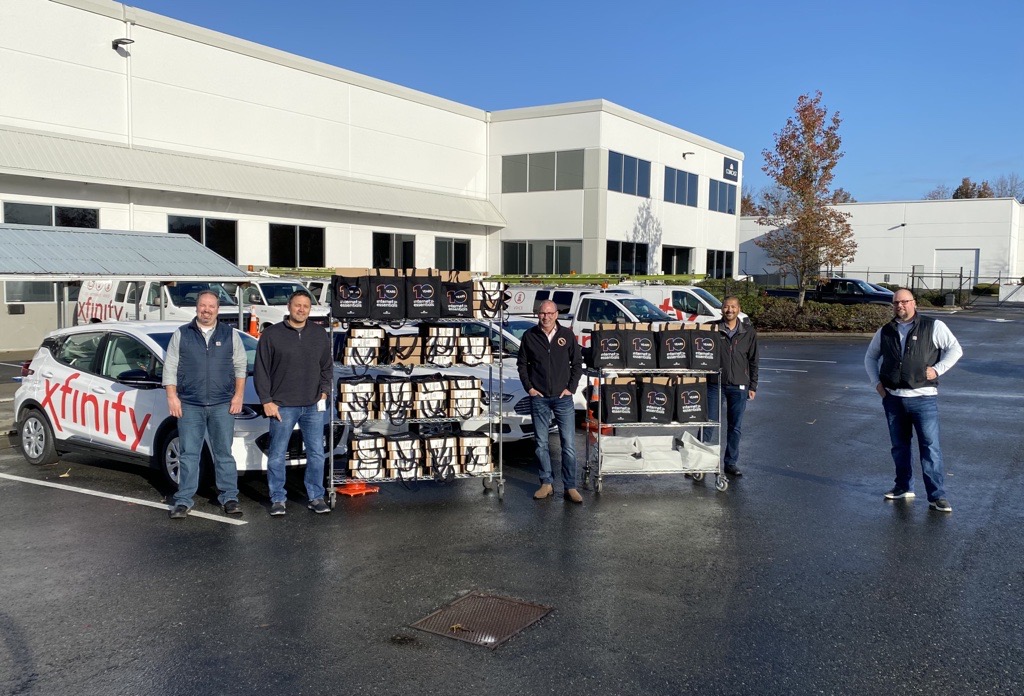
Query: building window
59	215
626	258
675	260
629	175
295	246
451	254
216	235
28	291
719	264
722	197
394	250
680	187
556	256
542	171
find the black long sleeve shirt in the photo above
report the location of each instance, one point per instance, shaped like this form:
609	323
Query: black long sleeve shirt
293	367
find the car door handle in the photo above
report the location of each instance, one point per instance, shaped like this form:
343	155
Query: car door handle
48	374
99	390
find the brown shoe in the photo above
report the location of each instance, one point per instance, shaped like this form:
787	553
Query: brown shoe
545	491
573	495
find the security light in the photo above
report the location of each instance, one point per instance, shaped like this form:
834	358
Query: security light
117	43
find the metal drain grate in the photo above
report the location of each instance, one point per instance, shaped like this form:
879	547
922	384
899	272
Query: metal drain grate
483	619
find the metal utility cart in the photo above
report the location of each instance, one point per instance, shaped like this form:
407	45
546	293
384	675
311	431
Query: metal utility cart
596	442
492	480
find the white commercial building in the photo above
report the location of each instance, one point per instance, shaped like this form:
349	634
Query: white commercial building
937	242
117	118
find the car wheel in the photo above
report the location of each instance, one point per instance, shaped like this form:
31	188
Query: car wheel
168	457
37	439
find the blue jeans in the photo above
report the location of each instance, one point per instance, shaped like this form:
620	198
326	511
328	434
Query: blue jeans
195	425
311	424
735	405
905	416
561	408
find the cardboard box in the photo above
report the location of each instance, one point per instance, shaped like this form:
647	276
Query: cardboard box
360	356
441	456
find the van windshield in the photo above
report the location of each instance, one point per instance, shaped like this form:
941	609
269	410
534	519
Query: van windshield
185	294
277	294
643	309
707	297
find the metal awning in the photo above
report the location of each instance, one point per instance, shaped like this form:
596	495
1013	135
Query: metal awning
65	158
68	254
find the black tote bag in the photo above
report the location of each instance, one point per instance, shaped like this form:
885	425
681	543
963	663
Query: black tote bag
350	297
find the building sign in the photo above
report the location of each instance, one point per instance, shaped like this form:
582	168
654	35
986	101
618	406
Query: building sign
731	170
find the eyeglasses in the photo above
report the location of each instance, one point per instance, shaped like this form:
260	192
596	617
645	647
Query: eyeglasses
899	302
547	314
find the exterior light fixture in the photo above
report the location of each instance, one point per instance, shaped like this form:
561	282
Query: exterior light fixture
118	43
685	154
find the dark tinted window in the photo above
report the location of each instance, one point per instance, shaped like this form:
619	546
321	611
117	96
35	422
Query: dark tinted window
311	247
569	170
88	218
643	179
542	171
282	246
614	171
192	226
513	173
27	214
222	237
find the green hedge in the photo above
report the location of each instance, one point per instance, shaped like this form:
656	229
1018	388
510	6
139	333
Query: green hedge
782	314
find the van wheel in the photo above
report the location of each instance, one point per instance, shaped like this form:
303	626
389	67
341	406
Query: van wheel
167	459
37	439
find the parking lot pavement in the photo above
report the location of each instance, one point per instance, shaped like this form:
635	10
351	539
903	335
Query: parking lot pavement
798	579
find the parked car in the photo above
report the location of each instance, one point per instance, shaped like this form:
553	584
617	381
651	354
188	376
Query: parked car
149	299
267	299
97	389
688	303
839	291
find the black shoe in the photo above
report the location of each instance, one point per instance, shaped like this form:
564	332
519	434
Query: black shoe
733	471
898	493
178	512
940	504
278	509
232	508
318	506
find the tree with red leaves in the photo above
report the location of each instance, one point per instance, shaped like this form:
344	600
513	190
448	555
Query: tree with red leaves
807	233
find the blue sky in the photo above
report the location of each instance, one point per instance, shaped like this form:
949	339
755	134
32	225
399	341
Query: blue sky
929	92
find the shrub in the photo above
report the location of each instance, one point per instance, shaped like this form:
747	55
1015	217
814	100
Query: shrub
986	289
782	314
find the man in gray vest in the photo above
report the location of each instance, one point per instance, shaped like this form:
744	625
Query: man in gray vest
903	362
204	375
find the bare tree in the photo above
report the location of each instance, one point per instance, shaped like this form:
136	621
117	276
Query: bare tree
1009	186
807	233
939	193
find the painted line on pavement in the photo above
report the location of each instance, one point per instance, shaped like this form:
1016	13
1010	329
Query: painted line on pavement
122	498
830	362
781	369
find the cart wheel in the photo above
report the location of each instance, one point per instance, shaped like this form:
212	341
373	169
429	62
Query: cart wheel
586	479
501	490
332	499
488	484
721	483
598	485
697	478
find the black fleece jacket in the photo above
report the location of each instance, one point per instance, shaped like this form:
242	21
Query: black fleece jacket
550	366
739	355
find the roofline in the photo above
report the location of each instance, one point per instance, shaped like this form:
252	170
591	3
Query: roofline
603	105
192	32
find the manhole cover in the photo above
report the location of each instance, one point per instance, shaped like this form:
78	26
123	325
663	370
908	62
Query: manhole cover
483	619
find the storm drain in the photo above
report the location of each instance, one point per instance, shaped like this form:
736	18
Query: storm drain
483	619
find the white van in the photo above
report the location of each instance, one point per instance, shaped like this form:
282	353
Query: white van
134	299
689	303
267	299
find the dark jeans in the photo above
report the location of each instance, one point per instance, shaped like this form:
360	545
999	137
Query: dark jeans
199	423
735	404
543	408
906	416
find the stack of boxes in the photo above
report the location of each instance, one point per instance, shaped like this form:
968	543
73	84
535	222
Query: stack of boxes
364	346
440	344
394	399
357	399
466	397
369	456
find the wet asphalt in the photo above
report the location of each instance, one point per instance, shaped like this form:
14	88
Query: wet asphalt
799	579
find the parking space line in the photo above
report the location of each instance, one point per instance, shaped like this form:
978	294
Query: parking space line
781	369
830	362
122	498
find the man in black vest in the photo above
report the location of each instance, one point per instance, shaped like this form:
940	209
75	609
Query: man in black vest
550	367
904	361
204	375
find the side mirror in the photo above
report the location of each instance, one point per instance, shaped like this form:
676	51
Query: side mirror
140	379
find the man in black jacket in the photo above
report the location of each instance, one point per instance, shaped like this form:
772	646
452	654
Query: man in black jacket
739	377
550	367
292	375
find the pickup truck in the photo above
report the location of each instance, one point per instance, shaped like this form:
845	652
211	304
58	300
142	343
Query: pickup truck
845	291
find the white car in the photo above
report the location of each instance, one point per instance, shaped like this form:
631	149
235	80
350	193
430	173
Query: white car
267	299
97	389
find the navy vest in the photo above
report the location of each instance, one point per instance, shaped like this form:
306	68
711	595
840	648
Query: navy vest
206	373
906	369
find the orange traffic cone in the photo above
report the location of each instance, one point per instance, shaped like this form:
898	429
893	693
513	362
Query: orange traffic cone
254	326
590	424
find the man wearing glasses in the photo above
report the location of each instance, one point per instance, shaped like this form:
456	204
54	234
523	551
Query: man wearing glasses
903	362
550	367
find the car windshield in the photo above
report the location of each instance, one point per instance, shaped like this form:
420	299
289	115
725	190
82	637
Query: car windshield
643	310
518	328
866	287
707	297
277	294
185	294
